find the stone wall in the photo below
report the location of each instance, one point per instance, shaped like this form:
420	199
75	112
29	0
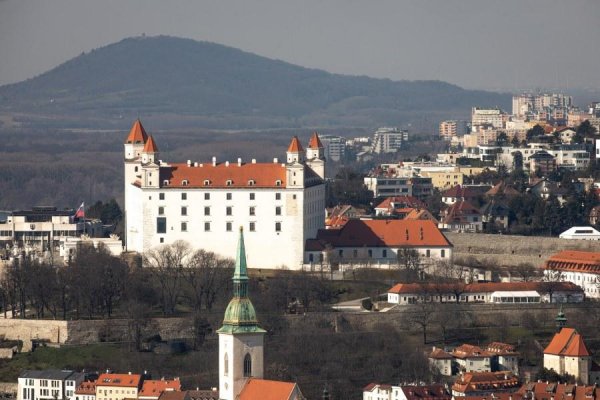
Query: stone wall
511	249
9	388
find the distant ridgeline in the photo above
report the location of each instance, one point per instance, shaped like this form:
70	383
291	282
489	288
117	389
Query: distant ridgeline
220	85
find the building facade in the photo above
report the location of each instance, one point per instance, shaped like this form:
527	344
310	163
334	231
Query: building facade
281	204
388	139
48	384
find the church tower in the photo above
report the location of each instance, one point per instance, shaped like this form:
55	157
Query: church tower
241	339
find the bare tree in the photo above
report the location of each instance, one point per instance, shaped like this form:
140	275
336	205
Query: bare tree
551	282
166	264
527	272
423	316
410	261
206	274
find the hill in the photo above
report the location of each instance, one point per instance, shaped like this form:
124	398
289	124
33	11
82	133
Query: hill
218	86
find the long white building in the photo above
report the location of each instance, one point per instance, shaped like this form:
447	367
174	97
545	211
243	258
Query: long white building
280	204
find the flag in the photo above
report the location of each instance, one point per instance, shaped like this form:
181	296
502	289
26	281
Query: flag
80	213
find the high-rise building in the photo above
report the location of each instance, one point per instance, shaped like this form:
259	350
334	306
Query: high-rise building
335	147
389	139
451	128
487	117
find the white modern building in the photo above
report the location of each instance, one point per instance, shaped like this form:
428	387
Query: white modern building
579	267
580	233
481	117
48	384
280	204
335	147
389	139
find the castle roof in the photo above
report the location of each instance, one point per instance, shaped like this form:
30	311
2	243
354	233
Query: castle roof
568	343
261	175
137	134
490	381
575	261
315	142
150	146
295	146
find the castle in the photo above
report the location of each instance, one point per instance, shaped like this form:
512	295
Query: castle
280	204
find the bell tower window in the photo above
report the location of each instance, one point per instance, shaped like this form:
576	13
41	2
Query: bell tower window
247	366
226	365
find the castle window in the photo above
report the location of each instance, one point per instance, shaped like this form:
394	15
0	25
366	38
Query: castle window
277	182
251	182
252	227
207	226
228	211
206	182
252	210
277	226
206	210
184	182
277	196
184	227
252	196
225	365
183	196
247	366
278	210
229	182
161	196
136	169
161	225
228	226
183	210
166	182
161	210
228	196
206	196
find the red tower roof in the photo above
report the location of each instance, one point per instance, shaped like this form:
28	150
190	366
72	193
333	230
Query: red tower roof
315	142
137	134
295	146
150	146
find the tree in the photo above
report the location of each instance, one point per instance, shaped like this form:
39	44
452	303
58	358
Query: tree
166	264
502	138
515	141
422	316
537	130
409	261
207	274
518	160
551	282
527	272
586	130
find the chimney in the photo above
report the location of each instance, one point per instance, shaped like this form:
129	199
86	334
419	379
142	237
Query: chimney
189	163
196	164
214	161
227	163
254	161
421	233
129	373
407	234
239	162
275	160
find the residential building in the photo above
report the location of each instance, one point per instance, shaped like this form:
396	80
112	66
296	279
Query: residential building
334	147
481	117
461	217
481	383
568	354
580	233
280	204
441	360
152	389
391	205
68	246
378	242
86	390
472	358
504	357
376	391
111	386
448	129
384	186
542	162
460	193
48	384
489	292
553	390
241	346
581	268
495	215
388	139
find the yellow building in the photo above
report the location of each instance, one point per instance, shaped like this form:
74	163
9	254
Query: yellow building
446	179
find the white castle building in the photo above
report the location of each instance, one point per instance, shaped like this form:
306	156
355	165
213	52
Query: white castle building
281	205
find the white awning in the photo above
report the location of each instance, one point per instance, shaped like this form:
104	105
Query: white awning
527	296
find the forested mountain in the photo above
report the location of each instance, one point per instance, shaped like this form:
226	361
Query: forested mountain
226	87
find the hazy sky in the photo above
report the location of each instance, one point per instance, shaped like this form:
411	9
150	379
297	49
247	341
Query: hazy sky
492	44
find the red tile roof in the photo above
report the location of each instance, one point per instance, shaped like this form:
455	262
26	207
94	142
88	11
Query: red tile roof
137	134
486	287
485	381
440	354
295	146
124	380
315	142
567	342
458	212
549	391
501	348
260	175
460	191
470	351
385	233
154	388
575	261
150	146
400	201
374	385
86	387
263	389
429	392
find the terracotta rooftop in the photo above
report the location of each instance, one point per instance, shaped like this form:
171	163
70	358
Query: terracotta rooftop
385	233
86	387
374	385
486	381
137	134
154	388
470	351
124	380
295	146
400	201
567	342
458	212
315	142
501	348
459	191
486	287
439	354
263	389
501	189
575	261
549	391
428	392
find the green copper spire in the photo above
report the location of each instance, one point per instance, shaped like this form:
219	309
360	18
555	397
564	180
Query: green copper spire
240	316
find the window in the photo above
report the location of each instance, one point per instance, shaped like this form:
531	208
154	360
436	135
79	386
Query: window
228	210
161	225
310	257
277	210
229	182
384	253
207	227
206	196
228	226
161	196
341	253
206	210
184	227
252	226
277	226
252	210
370	253
443	253
294	196
277	182
225	365
277	196
247	366
251	182
183	210
428	253
162	240
161	211
355	253
252	196
183	196
228	196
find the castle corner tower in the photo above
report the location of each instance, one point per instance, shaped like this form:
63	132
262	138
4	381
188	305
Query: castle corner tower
241	339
